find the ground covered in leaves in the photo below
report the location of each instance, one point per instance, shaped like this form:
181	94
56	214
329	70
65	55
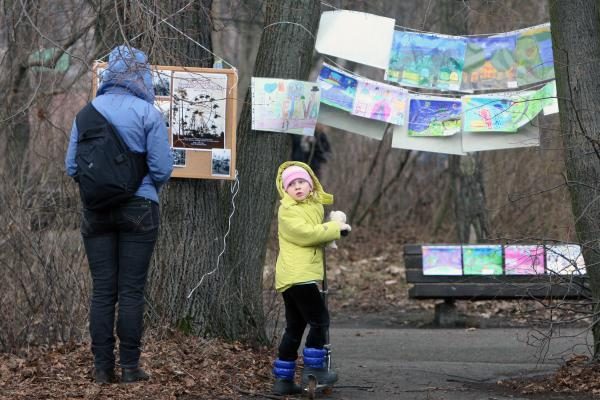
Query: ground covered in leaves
367	287
181	367
578	375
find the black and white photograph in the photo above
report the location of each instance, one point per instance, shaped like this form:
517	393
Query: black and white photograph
198	111
98	75
178	158
161	80
164	106
221	162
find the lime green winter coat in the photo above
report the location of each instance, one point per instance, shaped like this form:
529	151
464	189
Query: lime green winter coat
302	233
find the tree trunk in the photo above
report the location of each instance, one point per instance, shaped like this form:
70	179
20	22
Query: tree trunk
466	172
576	46
285	51
469	198
195	212
14	84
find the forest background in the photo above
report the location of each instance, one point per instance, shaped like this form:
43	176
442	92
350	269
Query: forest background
392	196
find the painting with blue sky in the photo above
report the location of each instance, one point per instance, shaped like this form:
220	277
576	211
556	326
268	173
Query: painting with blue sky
433	117
426	61
489	63
338	88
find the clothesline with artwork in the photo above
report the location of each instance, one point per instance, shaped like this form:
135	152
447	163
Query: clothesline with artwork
429	115
291	106
440	62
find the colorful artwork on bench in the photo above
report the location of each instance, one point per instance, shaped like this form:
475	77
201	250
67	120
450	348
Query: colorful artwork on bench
482	259
523	260
565	259
442	260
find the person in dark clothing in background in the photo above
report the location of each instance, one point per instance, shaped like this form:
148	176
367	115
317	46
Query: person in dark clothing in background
311	150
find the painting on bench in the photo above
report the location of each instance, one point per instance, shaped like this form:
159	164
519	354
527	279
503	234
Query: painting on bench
442	260
524	260
509	260
482	259
495	272
565	259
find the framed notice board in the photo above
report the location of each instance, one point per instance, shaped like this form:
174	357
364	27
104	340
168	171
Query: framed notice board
199	108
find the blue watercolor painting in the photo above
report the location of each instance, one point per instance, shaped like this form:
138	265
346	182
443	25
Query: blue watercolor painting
426	61
338	88
490	63
487	114
431	117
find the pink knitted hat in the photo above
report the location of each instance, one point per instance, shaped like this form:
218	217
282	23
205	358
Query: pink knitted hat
295	172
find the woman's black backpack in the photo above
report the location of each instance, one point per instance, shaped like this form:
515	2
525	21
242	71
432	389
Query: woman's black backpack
108	173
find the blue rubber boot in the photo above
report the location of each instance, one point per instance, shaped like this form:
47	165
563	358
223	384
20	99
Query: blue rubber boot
315	364
284	378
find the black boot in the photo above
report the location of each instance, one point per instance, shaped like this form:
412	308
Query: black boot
315	364
284	378
129	375
105	376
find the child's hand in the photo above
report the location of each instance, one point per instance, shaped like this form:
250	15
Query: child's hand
345	229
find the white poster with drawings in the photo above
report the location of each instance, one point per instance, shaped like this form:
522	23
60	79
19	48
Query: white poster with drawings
198	111
221	162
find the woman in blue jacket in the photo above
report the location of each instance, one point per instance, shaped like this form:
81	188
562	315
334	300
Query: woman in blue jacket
119	240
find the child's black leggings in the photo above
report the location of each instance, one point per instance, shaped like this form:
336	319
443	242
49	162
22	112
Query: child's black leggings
303	305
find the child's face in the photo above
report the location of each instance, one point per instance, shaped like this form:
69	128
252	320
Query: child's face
299	189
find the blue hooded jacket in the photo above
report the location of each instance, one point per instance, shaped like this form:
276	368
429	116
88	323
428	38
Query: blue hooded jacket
125	98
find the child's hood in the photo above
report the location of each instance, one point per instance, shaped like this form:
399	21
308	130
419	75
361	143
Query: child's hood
322	196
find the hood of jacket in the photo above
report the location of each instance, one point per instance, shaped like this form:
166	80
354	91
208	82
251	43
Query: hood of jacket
128	72
286	200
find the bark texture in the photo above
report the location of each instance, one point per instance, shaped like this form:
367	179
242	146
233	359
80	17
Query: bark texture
576	45
18	19
285	51
195	213
466	172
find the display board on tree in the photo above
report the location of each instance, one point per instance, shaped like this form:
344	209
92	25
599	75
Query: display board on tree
199	108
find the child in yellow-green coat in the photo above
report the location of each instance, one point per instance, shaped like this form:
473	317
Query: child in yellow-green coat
302	234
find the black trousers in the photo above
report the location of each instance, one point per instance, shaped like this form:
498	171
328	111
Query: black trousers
303	305
119	242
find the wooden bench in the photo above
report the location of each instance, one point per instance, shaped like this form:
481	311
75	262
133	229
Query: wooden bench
485	287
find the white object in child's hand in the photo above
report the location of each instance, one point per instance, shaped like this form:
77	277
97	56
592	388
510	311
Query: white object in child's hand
340	218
